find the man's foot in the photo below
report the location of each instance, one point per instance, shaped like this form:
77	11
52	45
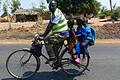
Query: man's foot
77	60
51	63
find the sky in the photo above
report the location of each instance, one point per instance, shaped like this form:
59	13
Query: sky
27	4
107	4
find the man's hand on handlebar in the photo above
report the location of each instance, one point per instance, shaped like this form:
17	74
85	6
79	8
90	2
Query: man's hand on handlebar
38	36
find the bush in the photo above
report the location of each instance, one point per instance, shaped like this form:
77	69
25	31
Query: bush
107	13
116	15
3	20
102	16
104	13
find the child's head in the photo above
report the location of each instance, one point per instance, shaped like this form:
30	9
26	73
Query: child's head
79	22
85	21
70	22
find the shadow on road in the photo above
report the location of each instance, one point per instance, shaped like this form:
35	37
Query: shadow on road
53	75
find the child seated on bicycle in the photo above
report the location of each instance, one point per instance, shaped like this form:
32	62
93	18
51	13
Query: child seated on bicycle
72	39
81	44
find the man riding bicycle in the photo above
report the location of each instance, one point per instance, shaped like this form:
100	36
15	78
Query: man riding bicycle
58	26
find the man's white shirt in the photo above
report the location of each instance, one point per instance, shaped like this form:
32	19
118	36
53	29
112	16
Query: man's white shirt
56	17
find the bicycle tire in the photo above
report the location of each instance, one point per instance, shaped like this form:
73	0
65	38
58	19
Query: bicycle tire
13	68
75	69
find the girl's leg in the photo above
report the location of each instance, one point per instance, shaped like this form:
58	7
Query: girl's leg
84	51
78	59
77	48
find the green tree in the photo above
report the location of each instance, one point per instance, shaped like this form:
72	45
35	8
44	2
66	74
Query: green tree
15	5
42	5
43	13
104	13
79	6
5	9
0	3
116	14
41	8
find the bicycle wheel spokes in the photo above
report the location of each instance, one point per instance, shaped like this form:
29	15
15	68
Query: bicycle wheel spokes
71	67
19	66
84	62
68	66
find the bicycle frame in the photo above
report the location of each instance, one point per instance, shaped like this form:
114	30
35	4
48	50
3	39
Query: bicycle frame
41	54
57	57
60	60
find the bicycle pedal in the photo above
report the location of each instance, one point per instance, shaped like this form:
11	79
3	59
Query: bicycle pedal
55	67
47	62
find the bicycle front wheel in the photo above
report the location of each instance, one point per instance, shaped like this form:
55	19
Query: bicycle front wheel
69	66
22	64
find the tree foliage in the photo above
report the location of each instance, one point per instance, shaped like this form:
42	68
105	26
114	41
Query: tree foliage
5	9
116	14
15	5
43	13
42	5
104	13
79	6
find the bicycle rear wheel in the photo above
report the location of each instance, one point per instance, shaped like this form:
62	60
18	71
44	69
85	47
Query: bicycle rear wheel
69	66
22	64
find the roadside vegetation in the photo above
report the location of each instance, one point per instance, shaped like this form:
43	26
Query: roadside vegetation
115	14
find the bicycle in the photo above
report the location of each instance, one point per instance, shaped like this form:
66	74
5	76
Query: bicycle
27	61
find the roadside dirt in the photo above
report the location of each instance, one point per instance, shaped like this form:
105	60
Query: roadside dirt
20	30
107	32
23	41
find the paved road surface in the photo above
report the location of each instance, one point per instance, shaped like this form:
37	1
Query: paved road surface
104	64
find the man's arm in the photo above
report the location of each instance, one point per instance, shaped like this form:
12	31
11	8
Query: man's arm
49	28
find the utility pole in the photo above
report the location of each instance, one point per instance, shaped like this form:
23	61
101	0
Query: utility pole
111	5
9	18
111	10
0	4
